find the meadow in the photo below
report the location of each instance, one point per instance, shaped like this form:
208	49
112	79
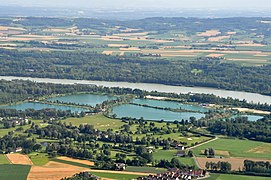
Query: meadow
19	172
237	148
98	121
234	177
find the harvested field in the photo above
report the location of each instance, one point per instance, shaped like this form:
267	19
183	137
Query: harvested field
264	149
161	41
236	163
86	162
251	45
130	49
53	171
215	55
132	34
19	159
108	52
118	45
231	33
129	30
248	60
209	33
57	30
155	97
252	111
218	38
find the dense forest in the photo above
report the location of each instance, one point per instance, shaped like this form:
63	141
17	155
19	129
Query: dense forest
93	66
242	128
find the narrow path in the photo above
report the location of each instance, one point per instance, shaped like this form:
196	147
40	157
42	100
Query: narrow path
202	143
120	172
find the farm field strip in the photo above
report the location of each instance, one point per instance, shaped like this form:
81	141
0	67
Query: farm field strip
19	159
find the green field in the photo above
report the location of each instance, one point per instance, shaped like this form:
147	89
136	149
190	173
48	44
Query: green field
238	148
4	132
39	159
115	176
145	169
190	139
14	172
99	121
3	159
235	177
169	154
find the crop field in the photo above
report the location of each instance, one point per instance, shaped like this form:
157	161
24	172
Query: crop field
14	172
234	177
19	159
145	169
104	175
240	46
237	148
39	159
54	171
236	163
3	159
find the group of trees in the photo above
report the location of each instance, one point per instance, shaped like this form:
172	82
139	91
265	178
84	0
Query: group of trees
242	128
219	166
257	166
209	152
10	142
94	66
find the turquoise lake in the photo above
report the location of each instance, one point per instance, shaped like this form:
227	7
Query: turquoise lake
39	106
83	99
134	111
252	117
170	104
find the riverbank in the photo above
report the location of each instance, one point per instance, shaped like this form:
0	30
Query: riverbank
250	97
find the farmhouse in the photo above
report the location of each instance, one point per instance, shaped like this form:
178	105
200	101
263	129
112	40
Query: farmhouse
177	174
181	153
120	166
16	122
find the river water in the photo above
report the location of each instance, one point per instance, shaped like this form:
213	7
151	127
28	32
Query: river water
250	97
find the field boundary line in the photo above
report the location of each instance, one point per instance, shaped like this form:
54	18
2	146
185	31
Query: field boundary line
211	140
8	159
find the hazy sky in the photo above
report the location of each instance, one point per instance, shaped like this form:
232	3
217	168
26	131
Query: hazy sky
148	4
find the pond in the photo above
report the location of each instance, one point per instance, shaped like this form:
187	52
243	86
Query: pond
170	104
83	99
39	106
249	117
134	111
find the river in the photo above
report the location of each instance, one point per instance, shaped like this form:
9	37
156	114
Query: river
250	97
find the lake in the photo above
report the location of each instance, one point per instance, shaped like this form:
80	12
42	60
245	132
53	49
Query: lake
83	99
250	117
39	106
170	104
250	97
134	111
